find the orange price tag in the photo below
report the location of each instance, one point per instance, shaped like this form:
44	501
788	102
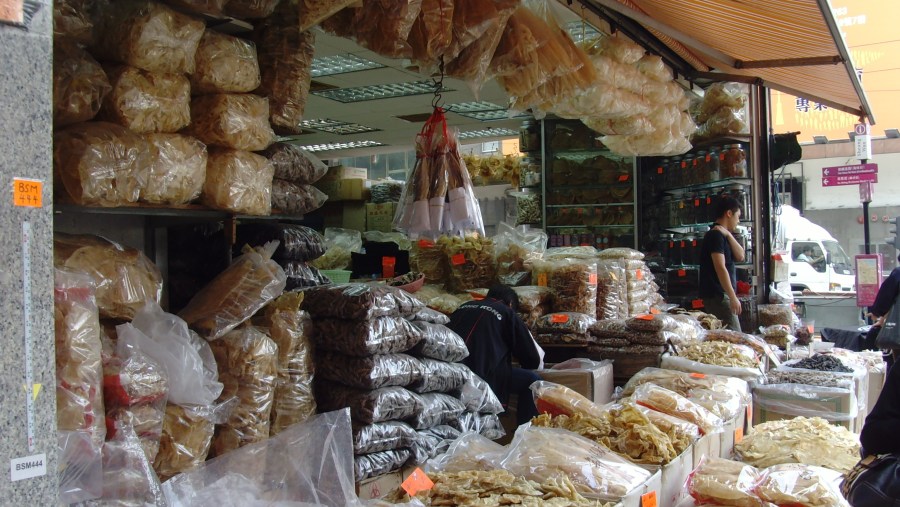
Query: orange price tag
696	162
416	482
738	435
592	279
684	165
694	243
671	244
698	375
707	158
623	177
387	266
426	243
559	318
721	156
655	311
709	200
649	499
28	193
640	274
645	317
682	272
696	202
697	303
458	259
682	243
659	170
542	280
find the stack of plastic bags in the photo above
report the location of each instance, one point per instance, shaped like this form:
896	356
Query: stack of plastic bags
298	246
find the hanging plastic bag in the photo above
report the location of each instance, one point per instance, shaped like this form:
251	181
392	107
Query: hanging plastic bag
515	250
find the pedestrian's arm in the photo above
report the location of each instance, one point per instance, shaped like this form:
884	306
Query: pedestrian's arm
718	260
737	251
887	293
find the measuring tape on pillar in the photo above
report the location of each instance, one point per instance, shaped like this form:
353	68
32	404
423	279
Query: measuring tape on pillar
26	323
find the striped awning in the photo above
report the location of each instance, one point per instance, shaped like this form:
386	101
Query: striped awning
793	46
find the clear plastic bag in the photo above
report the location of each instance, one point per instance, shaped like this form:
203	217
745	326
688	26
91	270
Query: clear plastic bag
238	181
471	262
382	436
385	27
724	482
384	335
532	297
177	171
149	36
720	394
72	22
434	441
225	64
79	84
540	454
187	359
248	365
565	322
690	366
369	407
432	32
295	242
313	12
439	342
439	376
612	295
300	274
128	478
514	250
251	281
718	353
369	372
146	102
124	277
100	163
429	316
80	466
478	396
473	62
211	7
359	301
430	260
293	199
285	52
736	337
555	399
295	164
669	402
340	244
471	451
187	435
796	484
79	370
379	463
829	403
437	408
574	284
294	401
269	472
232	120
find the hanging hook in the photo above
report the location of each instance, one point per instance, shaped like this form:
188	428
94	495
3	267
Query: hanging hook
437	101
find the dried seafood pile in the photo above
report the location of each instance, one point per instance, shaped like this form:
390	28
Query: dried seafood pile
810	441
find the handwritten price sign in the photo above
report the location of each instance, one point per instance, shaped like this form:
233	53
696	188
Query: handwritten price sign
28	193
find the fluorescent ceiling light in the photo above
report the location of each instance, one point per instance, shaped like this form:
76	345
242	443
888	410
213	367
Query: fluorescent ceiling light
471	107
341	146
582	30
341	64
497	132
336	126
376	92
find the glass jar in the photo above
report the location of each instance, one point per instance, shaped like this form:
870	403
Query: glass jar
530	171
530	136
700	173
687	170
733	160
676	247
701	207
675	172
740	193
659	174
712	164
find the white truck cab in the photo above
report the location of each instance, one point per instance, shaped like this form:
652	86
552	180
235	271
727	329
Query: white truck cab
816	261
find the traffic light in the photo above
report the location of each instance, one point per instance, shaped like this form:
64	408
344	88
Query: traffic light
894	238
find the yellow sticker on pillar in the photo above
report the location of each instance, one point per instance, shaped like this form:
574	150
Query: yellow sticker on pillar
28	193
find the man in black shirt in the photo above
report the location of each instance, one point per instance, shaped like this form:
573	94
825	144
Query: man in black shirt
494	334
717	273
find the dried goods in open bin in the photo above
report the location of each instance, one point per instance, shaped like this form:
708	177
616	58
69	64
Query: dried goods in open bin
79	84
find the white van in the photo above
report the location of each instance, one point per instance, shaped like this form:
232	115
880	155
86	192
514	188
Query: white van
819	265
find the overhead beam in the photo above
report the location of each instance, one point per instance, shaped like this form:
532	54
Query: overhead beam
790	62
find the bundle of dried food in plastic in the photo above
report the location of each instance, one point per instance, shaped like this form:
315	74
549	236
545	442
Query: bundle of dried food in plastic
313	12
807	440
573	281
225	64
124	277
384	335
340	244
101	164
384	27
237	293
128	478
386	190
360	301
527	208
778	335
722	111
721	395
293	199
134	393
610	333
438	177
612	290
534	297
477	28
251	9
471	260
437	409
565	323
285	52
177	171
428	316
379	463
238	181
295	242
486	425
432	442
671	403
440	376
187	434
247	360
796	484
79	371
770	315
146	101
300	275
430	260
231	120
720	354
149	36
295	164
369	372
72	22
724	482
382	436
515	250
368	406
544	453
79	84
439	342
556	399
431	34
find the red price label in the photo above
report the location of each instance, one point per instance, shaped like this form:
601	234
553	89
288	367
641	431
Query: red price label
559	318
694	243
655	311
458	259
387	266
698	375
542	279
645	317
592	279
649	499
623	178
684	165
696	304
721	156
738	435
28	193
709	200
682	273
659	170
696	203
708	158
426	243
640	274
416	482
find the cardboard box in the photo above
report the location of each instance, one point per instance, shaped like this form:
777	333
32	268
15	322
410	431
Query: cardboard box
342	172
595	382
380	217
644	494
876	383
377	487
732	433
786	401
707	445
354	189
672	478
354	216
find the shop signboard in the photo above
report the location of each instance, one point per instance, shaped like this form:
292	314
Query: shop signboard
868	278
849	179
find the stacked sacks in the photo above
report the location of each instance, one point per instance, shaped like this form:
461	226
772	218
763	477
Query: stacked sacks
296	170
566	328
642	293
298	245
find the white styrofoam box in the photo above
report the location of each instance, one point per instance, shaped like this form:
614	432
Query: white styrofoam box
673	477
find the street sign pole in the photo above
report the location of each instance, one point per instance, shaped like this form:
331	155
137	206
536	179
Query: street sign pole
863	144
